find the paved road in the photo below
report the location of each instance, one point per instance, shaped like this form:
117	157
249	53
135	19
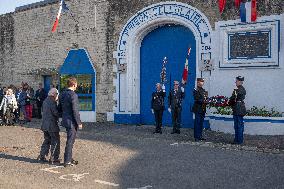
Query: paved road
131	157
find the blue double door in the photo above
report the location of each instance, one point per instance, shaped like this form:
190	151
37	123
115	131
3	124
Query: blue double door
171	41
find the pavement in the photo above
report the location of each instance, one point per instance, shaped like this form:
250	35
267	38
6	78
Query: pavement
131	157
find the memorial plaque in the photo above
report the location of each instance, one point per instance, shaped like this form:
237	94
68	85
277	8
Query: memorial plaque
249	45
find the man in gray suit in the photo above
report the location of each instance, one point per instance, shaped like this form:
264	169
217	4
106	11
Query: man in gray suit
50	129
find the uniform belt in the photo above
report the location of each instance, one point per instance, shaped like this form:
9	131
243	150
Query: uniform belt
240	101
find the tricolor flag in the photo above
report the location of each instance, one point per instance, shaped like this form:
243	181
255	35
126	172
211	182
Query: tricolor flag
248	11
63	7
185	70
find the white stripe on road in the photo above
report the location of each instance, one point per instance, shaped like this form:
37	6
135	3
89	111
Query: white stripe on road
106	183
145	187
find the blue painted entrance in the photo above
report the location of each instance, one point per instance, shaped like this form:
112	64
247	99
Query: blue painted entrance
47	81
171	41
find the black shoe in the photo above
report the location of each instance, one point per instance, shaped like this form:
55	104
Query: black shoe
155	132
178	132
69	164
173	132
75	162
41	159
203	139
197	140
161	132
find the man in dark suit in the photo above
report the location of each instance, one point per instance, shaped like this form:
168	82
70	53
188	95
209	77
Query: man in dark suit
158	106
239	109
199	108
40	96
69	106
50	128
175	106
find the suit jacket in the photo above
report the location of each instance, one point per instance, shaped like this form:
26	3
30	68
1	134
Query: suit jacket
175	98
40	96
69	108
50	115
237	101
199	101
157	102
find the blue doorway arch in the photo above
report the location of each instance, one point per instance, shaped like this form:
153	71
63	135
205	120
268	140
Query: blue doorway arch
171	41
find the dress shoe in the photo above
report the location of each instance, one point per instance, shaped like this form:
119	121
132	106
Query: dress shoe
41	159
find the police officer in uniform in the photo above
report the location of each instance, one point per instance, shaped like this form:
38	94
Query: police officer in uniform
239	110
199	108
158	106
175	106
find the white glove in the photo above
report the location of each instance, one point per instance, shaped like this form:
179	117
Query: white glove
182	89
152	111
164	88
169	109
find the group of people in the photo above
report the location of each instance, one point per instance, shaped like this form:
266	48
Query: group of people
65	105
17	103
176	96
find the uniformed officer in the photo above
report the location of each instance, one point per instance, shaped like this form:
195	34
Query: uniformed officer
199	108
239	110
175	106
158	106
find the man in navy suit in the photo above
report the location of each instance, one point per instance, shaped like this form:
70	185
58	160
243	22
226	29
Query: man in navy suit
69	107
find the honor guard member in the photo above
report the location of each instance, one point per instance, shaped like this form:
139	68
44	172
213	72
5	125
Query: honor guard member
158	106
199	108
239	110
175	106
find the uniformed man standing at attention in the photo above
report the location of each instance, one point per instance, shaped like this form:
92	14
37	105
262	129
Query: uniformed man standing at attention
158	106
175	106
199	108
239	110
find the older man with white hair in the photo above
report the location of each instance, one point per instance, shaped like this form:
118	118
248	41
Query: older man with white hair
50	128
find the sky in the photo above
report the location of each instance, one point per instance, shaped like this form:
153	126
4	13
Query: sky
10	5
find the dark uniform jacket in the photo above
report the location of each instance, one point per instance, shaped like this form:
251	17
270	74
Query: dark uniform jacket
50	115
175	98
157	102
237	101
199	105
69	108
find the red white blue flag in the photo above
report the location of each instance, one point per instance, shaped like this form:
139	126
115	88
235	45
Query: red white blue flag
185	70
248	11
63	7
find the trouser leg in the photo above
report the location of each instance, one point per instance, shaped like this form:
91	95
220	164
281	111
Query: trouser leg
236	140
160	118
71	135
55	145
156	113
45	145
178	119
241	129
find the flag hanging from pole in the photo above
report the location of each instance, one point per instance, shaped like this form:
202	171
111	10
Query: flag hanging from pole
185	70
222	4
248	11
63	7
237	3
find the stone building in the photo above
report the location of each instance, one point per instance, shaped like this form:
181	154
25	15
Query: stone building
127	40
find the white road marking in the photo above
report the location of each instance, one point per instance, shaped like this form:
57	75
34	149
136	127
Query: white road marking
174	144
75	177
50	169
145	187
106	183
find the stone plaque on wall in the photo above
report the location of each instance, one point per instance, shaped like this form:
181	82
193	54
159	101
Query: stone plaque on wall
249	45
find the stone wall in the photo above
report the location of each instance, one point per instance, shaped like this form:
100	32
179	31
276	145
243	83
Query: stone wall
27	44
7	46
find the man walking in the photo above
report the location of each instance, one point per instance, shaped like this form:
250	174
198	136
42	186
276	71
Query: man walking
175	106
50	129
69	106
199	108
239	110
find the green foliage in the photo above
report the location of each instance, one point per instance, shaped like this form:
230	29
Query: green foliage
254	111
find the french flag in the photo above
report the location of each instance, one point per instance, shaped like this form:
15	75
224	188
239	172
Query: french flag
248	11
63	7
185	70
